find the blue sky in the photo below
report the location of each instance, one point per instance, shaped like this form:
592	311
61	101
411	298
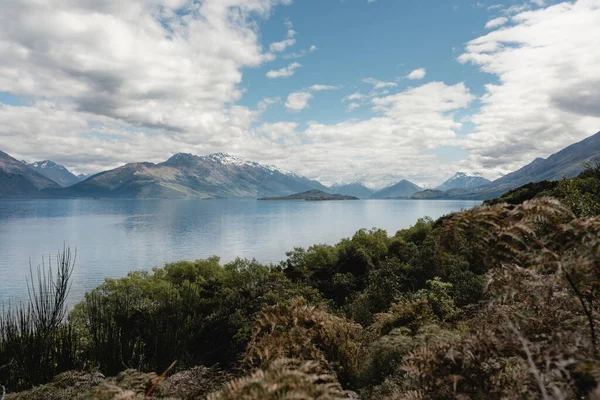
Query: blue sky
385	40
319	87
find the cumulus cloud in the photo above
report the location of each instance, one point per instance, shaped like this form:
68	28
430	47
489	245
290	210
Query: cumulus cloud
417	74
353	106
496	22
118	80
548	83
406	126
298	101
284	72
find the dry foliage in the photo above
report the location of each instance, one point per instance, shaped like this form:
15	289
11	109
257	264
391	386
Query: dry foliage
301	331
536	337
284	379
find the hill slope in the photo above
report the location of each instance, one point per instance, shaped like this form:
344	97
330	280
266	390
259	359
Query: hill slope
17	179
403	188
356	189
55	172
188	176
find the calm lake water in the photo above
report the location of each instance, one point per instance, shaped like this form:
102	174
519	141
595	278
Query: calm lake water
113	237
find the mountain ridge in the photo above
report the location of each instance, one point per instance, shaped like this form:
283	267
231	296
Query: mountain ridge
56	172
17	179
402	189
184	175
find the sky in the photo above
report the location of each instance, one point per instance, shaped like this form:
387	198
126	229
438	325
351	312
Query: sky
336	90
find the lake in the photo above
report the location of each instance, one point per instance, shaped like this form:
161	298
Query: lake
113	237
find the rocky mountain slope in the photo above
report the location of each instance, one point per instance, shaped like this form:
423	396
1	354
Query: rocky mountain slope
188	176
462	180
55	172
17	179
401	189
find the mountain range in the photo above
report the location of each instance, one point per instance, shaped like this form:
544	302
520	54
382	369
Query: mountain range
56	172
222	175
188	176
17	179
568	162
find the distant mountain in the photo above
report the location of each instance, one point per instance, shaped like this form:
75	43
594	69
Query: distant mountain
356	189
17	179
82	177
568	162
463	181
54	171
188	176
401	189
313	195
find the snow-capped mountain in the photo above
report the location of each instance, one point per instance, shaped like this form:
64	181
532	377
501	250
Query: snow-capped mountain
184	175
54	171
463	180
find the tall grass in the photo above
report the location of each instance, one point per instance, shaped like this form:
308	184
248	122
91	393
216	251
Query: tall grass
36	342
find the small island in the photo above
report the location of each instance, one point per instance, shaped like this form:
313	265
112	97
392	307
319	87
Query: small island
313	195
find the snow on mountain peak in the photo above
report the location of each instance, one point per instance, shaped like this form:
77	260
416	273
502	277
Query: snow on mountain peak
228	159
46	164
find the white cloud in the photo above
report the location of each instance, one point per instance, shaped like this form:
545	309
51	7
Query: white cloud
496	22
417	74
301	54
123	81
278	47
283	133
391	145
548	87
298	101
377	84
353	106
353	96
319	88
284	72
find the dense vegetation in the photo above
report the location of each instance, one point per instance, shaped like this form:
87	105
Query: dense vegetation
496	302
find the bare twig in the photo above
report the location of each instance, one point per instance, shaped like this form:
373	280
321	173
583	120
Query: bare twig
159	379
